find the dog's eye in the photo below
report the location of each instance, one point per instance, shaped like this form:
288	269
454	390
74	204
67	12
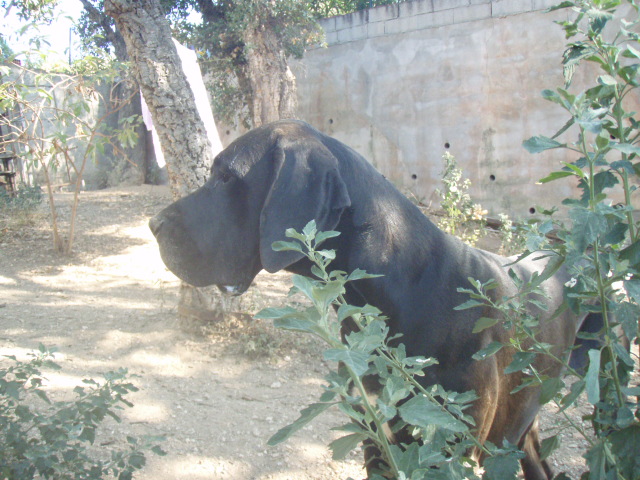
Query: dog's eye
223	177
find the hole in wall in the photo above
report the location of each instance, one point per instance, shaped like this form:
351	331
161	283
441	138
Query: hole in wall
414	176
447	145
532	210
228	132
492	177
330	121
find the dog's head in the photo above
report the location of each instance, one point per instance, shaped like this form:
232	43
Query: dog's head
275	177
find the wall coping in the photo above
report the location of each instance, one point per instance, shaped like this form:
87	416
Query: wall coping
415	15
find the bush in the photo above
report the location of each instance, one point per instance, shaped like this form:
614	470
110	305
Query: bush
19	211
26	198
40	438
462	217
601	246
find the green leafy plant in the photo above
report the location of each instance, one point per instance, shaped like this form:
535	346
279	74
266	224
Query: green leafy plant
600	248
19	210
40	438
512	235
462	217
25	198
434	419
331	8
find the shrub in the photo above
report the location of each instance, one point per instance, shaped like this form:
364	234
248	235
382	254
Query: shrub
601	246
40	438
20	210
462	217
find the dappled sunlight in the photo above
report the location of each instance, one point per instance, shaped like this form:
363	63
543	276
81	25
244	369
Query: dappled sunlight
20	353
64	382
147	412
160	363
116	340
314	380
137	265
138	231
112	304
196	467
141	260
63	299
308	451
7	281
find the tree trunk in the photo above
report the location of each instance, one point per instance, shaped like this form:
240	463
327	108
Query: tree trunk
273	85
185	145
158	70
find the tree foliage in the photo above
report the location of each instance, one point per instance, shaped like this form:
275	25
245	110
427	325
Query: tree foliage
32	10
225	34
227	37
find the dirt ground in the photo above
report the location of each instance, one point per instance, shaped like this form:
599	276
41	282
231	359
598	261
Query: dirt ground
218	395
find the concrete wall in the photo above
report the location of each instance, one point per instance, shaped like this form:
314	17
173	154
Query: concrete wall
403	83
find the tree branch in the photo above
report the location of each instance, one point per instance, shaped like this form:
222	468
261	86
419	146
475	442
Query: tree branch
108	29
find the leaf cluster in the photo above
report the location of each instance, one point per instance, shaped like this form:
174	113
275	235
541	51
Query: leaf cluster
599	248
330	8
462	217
375	384
33	10
41	438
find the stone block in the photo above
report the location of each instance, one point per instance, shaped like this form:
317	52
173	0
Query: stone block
544	4
416	7
435	19
439	5
401	25
352	34
502	8
375	29
328	24
351	20
383	12
331	38
472	13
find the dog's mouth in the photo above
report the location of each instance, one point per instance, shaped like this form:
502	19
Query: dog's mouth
233	290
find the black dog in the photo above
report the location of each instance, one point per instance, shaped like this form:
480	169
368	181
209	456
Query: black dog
284	174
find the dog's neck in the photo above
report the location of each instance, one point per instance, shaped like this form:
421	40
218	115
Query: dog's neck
377	236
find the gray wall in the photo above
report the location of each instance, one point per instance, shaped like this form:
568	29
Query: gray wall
403	83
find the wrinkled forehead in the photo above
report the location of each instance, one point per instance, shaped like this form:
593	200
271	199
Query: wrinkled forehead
243	153
246	151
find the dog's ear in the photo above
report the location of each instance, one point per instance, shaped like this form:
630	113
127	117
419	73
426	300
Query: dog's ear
307	186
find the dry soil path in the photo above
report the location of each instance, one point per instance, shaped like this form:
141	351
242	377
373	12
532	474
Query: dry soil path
217	396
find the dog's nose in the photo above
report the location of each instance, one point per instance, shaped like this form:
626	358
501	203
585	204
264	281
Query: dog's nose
155	224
